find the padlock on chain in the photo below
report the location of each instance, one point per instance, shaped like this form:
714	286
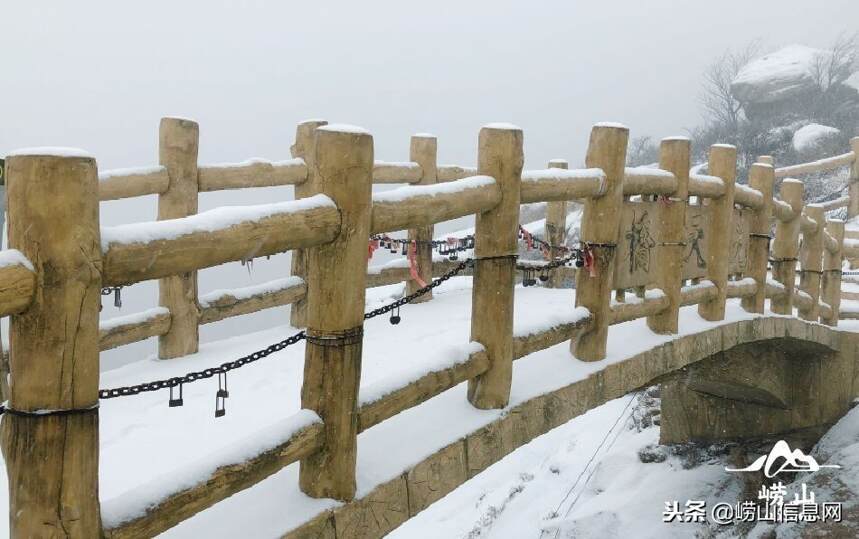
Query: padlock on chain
175	401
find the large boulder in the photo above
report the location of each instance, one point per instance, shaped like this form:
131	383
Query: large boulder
853	81
779	76
812	138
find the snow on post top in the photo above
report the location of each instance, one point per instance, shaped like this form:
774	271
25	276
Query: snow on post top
502	125
51	151
181	118
678	137
312	121
791	180
344	128
728	146
424	135
615	125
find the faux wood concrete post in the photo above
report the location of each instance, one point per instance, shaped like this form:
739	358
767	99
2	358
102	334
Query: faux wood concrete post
305	135
423	150
811	262
786	247
556	228
52	459
343	163
600	231
179	141
722	164
500	155
675	157
762	178
4	361
831	286
853	189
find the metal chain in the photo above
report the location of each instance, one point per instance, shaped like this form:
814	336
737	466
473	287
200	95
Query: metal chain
259	354
550	265
200	375
419	292
544	243
301	335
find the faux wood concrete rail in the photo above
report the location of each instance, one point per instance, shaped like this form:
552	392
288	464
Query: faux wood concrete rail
392	503
627	211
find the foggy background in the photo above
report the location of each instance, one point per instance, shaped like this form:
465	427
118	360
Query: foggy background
99	75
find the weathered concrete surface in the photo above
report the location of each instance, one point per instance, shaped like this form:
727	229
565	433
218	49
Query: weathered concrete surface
388	505
757	389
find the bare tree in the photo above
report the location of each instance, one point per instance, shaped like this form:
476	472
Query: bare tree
835	65
642	151
829	103
717	99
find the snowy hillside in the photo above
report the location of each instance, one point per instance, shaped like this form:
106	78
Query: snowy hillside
582	480
604	475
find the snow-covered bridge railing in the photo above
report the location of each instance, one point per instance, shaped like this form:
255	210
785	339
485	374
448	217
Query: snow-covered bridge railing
849	159
671	237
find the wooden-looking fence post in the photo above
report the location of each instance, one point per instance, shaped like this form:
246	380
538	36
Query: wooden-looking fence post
51	458
556	229
831	285
811	262
719	234
423	150
786	247
4	360
675	157
853	185
600	231
762	178
343	163
178	145
501	156
303	148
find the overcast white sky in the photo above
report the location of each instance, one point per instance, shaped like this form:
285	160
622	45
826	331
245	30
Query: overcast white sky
98	75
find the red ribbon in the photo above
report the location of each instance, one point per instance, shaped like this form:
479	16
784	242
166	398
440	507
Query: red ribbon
588	256
413	265
374	244
529	239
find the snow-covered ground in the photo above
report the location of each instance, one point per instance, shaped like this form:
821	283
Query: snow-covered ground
583	479
586	480
147	449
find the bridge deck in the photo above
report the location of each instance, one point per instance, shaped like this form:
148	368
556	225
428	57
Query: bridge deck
147	447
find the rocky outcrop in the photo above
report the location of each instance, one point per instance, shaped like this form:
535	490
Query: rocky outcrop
779	76
811	138
782	86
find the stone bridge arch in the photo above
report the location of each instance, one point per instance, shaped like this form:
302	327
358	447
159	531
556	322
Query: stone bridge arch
798	377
